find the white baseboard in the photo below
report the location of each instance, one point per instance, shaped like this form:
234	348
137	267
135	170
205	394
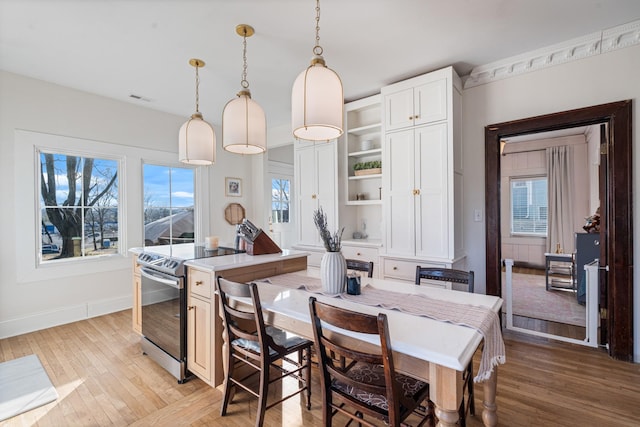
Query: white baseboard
49	319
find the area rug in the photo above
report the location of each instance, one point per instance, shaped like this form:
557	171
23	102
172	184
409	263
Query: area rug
531	299
24	385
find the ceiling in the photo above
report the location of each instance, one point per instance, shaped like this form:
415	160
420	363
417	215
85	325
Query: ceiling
120	48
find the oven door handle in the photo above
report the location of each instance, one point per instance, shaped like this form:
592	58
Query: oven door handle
175	283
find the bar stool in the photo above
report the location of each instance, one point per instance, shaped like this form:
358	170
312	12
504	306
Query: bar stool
249	342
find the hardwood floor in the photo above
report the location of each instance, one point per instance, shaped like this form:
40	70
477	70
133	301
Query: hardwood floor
104	380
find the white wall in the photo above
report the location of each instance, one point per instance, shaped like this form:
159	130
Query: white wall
599	79
71	293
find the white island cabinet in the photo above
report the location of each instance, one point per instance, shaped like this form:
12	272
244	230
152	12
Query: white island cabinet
204	324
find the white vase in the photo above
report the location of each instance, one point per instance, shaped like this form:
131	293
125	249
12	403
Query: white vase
333	272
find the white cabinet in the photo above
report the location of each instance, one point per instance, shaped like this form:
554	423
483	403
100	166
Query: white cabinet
410	103
422	176
316	176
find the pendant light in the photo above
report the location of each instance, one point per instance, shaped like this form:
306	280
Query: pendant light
244	127
197	139
317	98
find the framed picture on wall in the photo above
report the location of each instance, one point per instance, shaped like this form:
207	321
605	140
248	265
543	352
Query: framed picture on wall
233	187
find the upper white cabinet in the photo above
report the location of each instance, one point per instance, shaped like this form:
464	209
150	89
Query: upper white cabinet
316	176
422	178
409	103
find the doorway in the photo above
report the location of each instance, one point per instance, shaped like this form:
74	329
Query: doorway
280	193
549	186
616	300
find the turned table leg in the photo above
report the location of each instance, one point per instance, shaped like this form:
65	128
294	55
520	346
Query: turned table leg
489	414
446	418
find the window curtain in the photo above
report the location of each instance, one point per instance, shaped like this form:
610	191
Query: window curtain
560	184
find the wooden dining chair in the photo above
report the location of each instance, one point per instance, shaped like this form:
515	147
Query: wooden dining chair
366	266
251	343
368	385
456	278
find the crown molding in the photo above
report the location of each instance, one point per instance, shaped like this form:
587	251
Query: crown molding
593	44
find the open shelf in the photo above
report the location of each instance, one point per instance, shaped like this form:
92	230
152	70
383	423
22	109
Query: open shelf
356	178
364	202
364	130
366	153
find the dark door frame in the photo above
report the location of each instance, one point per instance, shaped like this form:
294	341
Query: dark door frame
619	310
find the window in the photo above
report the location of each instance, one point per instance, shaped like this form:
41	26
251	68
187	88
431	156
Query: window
529	206
79	202
280	200
168	205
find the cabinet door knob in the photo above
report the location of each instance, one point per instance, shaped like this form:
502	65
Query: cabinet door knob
416	116
358	253
410	117
191	307
395	268
417	192
198	282
313	196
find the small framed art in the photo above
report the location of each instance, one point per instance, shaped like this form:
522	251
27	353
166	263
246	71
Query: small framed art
233	187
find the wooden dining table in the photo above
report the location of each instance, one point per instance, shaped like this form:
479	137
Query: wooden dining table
435	351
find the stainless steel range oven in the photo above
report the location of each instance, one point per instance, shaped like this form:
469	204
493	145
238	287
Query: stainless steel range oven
164	306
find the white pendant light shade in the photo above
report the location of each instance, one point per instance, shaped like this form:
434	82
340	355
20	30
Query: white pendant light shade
196	138
316	103
244	126
197	142
317	98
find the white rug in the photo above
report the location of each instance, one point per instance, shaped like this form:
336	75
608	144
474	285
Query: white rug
24	385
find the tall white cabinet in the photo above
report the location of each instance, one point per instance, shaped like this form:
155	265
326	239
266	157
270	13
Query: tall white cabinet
316	177
411	212
422	178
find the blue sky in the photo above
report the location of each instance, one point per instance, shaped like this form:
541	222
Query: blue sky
161	182
164	186
103	170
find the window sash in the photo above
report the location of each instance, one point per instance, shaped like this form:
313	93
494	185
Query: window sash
529	206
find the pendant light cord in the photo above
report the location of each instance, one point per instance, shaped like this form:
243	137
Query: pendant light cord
244	82
317	49
197	85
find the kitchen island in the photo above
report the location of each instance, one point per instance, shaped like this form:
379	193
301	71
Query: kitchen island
203	323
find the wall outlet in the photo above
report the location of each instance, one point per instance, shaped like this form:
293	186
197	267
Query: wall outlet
477	215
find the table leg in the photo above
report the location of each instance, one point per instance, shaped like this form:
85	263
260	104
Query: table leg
489	414
446	388
446	418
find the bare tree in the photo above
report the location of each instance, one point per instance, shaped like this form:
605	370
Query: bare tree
67	218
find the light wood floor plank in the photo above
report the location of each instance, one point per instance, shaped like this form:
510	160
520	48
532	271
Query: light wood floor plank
104	380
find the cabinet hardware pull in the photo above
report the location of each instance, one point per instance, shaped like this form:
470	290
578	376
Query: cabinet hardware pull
191	307
358	253
198	282
416	116
313	196
395	268
417	192
410	117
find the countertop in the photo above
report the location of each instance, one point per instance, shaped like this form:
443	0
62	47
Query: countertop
227	262
218	263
